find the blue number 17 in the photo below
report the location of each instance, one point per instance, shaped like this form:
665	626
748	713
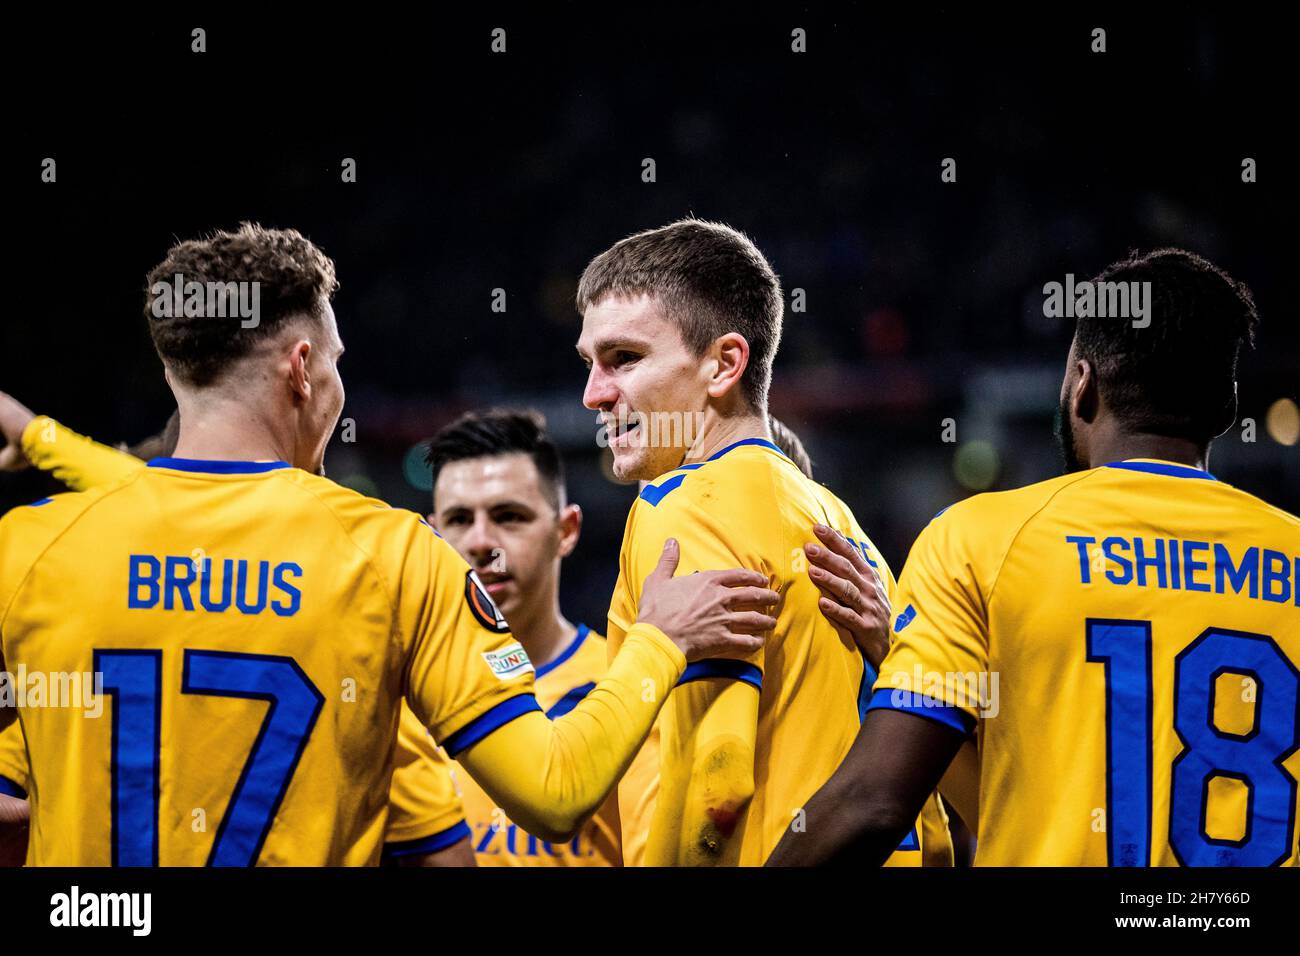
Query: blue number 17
133	680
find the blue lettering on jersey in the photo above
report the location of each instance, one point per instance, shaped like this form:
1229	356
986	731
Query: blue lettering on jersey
862	546
489	845
1209	567
172	581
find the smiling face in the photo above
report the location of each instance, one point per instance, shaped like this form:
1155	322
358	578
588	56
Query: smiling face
639	369
495	511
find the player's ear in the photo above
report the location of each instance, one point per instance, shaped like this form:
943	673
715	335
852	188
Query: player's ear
1229	413
570	528
731	358
1085	397
299	373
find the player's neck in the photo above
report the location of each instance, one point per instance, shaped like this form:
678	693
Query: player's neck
226	431
1115	445
718	432
545	636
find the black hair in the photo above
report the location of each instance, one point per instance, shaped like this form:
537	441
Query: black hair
484	434
1178	375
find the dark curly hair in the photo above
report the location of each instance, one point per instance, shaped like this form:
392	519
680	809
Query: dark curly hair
295	278
1178	376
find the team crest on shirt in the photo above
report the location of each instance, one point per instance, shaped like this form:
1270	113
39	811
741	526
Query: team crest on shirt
481	606
510	661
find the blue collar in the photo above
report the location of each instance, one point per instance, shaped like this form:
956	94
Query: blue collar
747	441
569	651
214	467
1162	468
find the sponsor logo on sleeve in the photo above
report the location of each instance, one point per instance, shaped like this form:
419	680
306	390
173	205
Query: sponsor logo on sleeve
509	661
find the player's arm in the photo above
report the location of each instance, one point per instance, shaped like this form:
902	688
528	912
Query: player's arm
908	738
460	853
550	776
79	462
14	819
14	808
855	601
721	781
867	807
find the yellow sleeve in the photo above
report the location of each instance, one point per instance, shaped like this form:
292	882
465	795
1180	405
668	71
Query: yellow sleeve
940	631
79	462
13	761
960	784
718	784
551	776
425	814
466	674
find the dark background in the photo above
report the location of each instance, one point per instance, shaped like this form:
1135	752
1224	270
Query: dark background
479	171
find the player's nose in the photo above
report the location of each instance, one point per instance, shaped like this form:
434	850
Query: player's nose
479	540
600	393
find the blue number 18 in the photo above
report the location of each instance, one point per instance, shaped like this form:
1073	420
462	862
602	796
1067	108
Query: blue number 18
1255	758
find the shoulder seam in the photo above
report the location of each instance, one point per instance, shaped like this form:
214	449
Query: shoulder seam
997	577
370	558
118	486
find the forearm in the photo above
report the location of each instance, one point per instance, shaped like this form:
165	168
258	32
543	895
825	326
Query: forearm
13	830
551	776
79	462
458	854
840	826
866	808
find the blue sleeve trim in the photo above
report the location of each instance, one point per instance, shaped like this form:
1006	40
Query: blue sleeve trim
497	717
722	667
430	844
570	700
10	789
887	698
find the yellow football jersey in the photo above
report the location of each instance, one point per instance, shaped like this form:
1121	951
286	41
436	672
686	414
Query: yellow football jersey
499	842
251	679
750	506
425	813
1127	641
